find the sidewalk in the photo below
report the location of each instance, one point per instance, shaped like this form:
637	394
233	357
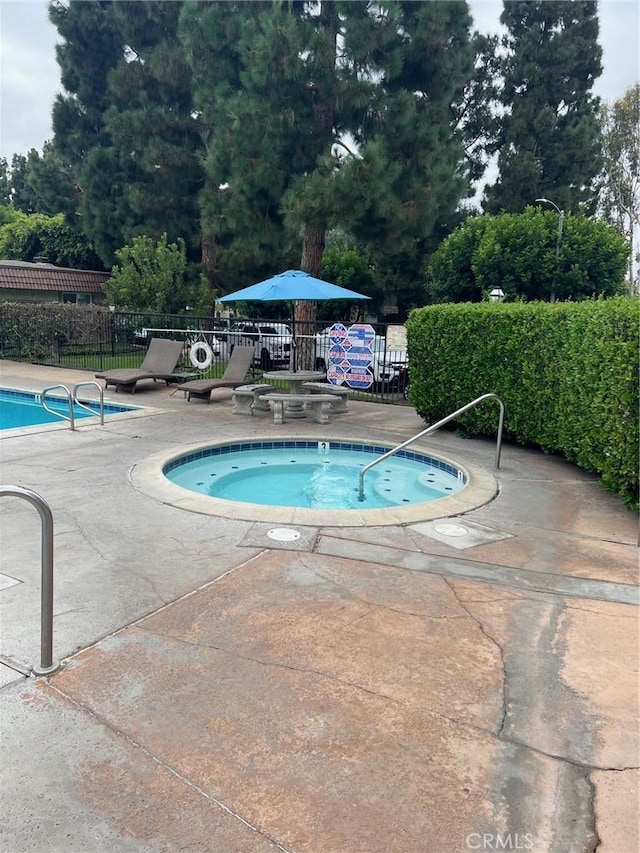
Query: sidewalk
390	689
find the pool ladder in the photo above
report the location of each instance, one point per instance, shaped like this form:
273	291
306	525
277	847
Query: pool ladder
72	399
433	428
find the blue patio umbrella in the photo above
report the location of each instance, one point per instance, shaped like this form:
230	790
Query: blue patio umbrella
292	286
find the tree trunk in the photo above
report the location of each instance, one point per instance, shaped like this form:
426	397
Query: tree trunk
304	313
209	263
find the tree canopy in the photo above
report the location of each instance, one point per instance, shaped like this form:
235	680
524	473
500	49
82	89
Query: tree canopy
153	276
328	114
27	237
250	130
520	254
549	141
124	128
620	180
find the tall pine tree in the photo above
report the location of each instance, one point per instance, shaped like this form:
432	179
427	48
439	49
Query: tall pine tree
124	128
245	91
328	113
550	141
90	49
151	123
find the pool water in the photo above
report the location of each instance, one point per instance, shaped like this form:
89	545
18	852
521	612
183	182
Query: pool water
322	475
23	409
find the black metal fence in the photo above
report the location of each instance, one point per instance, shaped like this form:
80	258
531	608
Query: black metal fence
369	358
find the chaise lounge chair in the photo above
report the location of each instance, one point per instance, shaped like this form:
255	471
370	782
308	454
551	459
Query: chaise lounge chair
159	363
235	374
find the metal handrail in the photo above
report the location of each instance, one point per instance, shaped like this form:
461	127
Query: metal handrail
433	428
47	663
68	417
84	405
72	399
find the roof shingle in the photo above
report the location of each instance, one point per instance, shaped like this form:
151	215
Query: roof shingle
21	275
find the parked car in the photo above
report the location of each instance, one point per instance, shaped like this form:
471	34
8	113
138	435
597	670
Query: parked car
271	341
387	365
141	338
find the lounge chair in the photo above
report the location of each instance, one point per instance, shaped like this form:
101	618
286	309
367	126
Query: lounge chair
159	363
235	374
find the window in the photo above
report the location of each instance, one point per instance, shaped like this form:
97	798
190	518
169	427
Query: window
77	298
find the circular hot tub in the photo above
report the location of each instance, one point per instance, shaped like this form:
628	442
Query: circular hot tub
313	481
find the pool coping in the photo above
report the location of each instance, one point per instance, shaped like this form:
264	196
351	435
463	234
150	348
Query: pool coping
147	477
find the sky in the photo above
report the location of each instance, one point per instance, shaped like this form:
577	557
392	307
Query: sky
30	79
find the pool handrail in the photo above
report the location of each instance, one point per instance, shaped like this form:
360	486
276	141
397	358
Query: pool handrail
433	428
68	417
47	664
72	399
84	405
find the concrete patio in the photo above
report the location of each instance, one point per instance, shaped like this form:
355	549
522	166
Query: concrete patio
442	685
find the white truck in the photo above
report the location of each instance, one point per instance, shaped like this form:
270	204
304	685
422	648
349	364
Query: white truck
271	341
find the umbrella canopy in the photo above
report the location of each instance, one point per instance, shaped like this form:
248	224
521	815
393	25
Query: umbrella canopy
292	286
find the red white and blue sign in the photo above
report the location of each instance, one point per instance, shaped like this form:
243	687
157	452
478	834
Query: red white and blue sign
351	355
338	333
362	334
336	374
358	378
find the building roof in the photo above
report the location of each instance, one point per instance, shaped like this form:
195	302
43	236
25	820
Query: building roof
21	275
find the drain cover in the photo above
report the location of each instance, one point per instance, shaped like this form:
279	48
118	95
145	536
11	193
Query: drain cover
283	534
451	530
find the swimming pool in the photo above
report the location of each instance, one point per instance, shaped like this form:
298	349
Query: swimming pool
318	475
149	476
24	409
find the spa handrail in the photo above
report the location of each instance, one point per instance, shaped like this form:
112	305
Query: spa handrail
433	428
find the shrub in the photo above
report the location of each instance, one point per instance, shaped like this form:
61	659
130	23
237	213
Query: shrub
35	331
518	253
567	374
153	275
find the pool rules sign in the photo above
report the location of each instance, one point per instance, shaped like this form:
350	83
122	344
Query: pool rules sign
350	355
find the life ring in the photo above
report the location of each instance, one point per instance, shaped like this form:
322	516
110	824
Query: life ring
200	355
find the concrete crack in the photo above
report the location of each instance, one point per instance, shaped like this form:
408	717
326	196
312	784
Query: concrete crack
375	604
277	665
495	643
591	805
165	765
594	610
579	765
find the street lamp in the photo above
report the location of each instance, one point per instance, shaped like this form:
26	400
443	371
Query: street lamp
112	310
560	225
497	294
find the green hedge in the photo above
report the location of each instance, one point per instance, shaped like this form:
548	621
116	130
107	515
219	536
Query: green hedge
567	374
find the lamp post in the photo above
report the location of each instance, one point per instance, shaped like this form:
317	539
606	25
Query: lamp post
112	309
497	294
559	238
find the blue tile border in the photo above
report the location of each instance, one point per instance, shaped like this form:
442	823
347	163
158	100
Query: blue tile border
374	449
